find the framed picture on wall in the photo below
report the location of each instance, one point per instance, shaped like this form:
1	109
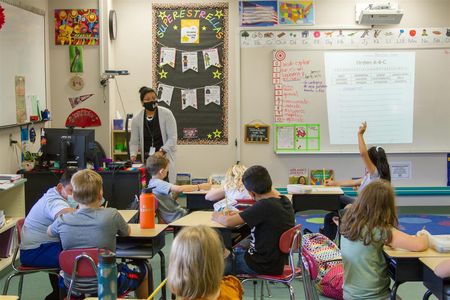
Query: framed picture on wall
257	133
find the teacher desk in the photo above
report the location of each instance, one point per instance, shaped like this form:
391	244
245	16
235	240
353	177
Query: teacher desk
320	198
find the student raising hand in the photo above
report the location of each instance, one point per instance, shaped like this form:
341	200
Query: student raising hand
362	127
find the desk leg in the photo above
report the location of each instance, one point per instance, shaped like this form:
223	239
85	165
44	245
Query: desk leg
394	290
427	295
163	273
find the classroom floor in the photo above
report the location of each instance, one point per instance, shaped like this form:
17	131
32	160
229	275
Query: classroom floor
37	286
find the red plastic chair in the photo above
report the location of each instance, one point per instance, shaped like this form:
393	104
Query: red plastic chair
289	244
19	269
78	263
309	275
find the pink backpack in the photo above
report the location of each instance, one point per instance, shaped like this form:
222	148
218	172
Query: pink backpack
327	257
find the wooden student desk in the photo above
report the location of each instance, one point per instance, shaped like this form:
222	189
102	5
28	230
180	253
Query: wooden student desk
9	297
231	236
320	198
144	244
436	285
405	265
127	214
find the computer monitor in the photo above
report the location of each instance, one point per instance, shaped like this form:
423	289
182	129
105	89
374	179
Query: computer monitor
68	145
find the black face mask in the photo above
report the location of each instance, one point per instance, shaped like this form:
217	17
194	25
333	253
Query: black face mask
151	106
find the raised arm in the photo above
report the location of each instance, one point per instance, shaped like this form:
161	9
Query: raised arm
405	241
350	182
363	149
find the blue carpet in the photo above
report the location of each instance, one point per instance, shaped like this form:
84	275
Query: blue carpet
408	223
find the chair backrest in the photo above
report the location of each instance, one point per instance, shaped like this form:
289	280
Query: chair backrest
290	239
243	204
19	226
82	259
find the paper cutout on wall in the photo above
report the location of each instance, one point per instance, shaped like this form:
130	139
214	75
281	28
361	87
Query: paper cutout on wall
189	61
76	83
76	59
190	133
164	93
212	94
211	58
188	98
76	27
258	13
74	101
83	117
2	17
190	31
167	57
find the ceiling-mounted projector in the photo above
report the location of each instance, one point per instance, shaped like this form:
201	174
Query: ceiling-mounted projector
378	14
380	17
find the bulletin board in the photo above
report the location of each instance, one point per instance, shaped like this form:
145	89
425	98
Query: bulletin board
22	62
190	69
296	76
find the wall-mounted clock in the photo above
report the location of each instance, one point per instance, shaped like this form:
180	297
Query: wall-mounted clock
112	25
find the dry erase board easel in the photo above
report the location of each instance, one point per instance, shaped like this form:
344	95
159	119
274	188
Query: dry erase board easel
22	53
431	131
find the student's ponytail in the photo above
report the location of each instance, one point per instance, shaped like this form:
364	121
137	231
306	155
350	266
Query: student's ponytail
383	165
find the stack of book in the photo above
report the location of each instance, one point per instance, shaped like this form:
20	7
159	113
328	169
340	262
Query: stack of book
7	180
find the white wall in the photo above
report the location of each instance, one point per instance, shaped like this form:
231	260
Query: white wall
10	161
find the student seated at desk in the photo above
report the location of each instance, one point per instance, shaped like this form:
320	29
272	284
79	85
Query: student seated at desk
37	249
232	187
196	267
92	226
369	224
443	269
168	208
268	218
377	167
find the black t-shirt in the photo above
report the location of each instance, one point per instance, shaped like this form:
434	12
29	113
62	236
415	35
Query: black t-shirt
152	130
268	219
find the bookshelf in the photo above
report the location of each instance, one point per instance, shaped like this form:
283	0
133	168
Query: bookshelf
119	145
12	202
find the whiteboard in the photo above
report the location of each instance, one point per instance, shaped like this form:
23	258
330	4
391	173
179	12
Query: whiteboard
308	101
22	53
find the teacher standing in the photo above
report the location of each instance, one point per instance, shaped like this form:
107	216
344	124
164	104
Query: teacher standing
154	131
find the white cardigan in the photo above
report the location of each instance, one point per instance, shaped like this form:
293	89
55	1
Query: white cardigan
168	126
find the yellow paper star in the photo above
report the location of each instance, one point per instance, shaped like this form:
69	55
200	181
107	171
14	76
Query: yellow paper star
175	27
209	136
219	14
204	28
162	15
217	133
217	74
163	74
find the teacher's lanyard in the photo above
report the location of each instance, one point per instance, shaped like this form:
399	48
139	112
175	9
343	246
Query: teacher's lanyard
148	127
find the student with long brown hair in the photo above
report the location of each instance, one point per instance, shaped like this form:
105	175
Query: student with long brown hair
369	224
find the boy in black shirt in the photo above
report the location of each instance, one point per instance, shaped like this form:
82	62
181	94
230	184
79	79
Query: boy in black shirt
268	218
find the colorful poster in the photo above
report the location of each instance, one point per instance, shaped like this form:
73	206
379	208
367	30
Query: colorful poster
212	94
188	98
211	58
189	61
296	12
298	176
258	13
21	109
77	27
76	59
190	31
167	57
164	93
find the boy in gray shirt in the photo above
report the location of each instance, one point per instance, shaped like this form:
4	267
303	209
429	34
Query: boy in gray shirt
168	208
92	226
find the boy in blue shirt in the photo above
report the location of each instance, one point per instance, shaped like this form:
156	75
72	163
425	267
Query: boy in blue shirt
168	208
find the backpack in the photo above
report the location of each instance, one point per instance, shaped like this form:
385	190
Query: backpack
327	257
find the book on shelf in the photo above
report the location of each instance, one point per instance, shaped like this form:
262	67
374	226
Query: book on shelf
10	177
199	180
217	179
318	177
298	176
183	178
7	243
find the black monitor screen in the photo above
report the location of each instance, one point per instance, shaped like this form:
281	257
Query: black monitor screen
67	144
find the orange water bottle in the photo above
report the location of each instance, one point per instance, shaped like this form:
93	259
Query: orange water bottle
147	209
